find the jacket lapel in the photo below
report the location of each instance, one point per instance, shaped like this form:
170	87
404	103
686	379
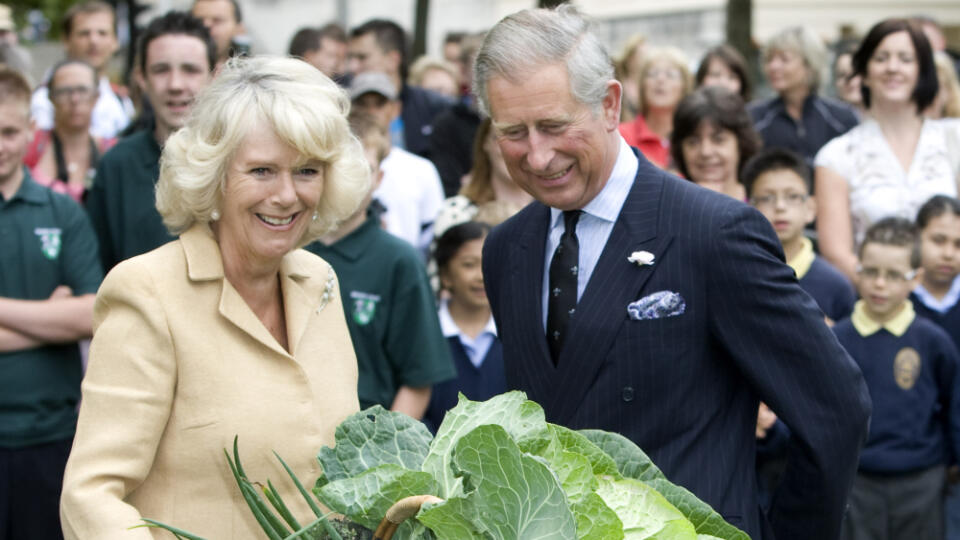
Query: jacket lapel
526	288
615	282
235	309
204	264
296	304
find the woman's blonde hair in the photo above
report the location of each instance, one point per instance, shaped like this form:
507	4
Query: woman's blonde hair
672	56
304	108
947	77
419	69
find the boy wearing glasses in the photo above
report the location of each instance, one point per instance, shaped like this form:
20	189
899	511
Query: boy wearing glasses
778	185
911	369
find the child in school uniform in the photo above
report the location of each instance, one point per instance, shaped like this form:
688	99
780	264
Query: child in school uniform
937	295
466	321
911	369
387	299
778	185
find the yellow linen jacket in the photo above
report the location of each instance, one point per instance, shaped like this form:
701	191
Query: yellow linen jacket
179	364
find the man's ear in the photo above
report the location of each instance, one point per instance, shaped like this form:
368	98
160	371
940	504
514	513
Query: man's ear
139	80
397	107
395	60
610	106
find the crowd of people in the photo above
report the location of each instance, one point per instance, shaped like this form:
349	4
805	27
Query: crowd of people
466	222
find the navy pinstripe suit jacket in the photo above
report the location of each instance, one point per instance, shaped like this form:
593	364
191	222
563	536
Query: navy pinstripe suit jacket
686	388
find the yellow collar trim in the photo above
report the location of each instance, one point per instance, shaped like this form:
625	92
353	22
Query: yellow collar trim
801	261
866	326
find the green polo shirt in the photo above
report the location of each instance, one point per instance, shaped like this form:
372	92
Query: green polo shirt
390	311
45	241
121	202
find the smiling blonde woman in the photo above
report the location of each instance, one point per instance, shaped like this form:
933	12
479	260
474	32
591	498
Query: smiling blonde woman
230	330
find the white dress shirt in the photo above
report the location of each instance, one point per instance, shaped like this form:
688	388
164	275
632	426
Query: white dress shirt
595	224
413	194
476	348
940	305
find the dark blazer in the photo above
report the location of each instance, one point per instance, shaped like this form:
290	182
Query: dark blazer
686	388
420	107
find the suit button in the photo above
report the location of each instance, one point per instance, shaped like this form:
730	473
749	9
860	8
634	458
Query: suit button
627	393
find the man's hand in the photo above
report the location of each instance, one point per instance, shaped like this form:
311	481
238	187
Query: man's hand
765	420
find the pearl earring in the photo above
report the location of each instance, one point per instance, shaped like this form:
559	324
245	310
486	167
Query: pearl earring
316	216
215	215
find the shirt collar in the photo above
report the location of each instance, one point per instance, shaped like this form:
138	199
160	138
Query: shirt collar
150	150
450	328
803	259
29	190
943	305
355	244
866	326
607	204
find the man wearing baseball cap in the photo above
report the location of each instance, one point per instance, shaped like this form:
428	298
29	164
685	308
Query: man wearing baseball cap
411	190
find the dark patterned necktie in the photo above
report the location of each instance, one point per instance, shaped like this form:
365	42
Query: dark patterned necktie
562	295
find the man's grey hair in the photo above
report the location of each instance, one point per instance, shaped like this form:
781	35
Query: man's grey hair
528	40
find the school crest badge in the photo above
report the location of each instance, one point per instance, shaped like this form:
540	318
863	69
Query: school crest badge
364	306
906	368
49	241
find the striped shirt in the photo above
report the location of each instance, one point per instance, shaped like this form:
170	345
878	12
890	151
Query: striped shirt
595	224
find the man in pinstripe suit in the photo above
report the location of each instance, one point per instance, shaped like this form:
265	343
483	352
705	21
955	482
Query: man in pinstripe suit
716	320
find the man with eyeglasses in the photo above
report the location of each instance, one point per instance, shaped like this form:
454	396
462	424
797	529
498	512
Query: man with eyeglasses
65	157
89	33
912	370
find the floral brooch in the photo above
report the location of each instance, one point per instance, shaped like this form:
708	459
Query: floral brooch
641	258
327	290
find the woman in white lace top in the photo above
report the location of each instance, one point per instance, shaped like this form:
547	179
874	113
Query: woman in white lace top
895	160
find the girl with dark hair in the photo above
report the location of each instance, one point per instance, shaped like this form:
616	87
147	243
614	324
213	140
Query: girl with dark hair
938	294
712	138
724	66
895	160
466	321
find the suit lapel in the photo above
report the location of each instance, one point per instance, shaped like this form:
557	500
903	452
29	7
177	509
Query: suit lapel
526	288
614	283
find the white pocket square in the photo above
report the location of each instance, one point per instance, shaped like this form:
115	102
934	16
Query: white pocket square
658	305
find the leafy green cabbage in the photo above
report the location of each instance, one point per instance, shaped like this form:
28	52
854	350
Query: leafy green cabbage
505	473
